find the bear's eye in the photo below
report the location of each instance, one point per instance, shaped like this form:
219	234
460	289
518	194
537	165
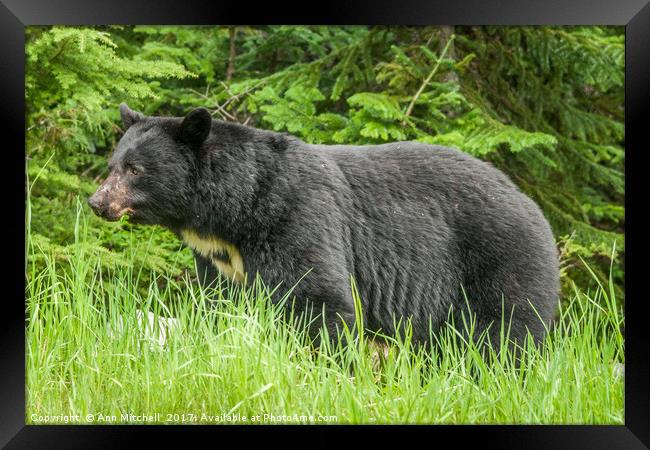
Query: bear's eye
133	170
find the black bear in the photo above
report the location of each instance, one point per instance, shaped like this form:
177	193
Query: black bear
422	229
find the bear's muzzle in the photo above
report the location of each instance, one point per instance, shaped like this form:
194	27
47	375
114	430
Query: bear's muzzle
111	200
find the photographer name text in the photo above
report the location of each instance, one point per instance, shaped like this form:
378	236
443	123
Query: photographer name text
223	418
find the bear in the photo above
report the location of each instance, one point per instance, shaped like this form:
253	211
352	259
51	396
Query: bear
425	232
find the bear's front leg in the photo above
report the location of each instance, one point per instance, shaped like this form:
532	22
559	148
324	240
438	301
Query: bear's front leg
207	274
308	256
214	284
324	299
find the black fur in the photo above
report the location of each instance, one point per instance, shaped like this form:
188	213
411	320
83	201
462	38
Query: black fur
414	224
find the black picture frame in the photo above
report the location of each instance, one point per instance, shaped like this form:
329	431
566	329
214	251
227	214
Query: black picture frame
16	14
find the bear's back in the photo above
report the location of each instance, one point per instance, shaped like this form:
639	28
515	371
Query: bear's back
415	163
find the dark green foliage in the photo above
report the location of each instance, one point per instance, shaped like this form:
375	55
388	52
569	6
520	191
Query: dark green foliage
72	78
544	104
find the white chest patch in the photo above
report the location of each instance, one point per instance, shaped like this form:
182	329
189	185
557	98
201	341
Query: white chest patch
225	257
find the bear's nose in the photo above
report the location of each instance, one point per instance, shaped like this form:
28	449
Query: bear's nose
95	203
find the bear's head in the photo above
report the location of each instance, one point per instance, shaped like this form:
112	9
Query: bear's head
152	168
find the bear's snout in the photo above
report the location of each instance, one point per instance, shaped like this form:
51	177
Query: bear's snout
95	203
110	201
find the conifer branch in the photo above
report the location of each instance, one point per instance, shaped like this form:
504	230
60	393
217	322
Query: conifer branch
426	81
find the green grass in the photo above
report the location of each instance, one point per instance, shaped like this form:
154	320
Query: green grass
87	353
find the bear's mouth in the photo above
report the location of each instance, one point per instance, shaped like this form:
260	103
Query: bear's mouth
127	211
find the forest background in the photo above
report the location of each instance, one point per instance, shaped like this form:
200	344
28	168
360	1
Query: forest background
544	104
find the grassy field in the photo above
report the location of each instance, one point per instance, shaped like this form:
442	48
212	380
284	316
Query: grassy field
93	356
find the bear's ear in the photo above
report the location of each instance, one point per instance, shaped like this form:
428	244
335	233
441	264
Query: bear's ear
129	117
195	127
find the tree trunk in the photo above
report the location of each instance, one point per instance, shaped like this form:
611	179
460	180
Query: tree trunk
446	31
231	57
